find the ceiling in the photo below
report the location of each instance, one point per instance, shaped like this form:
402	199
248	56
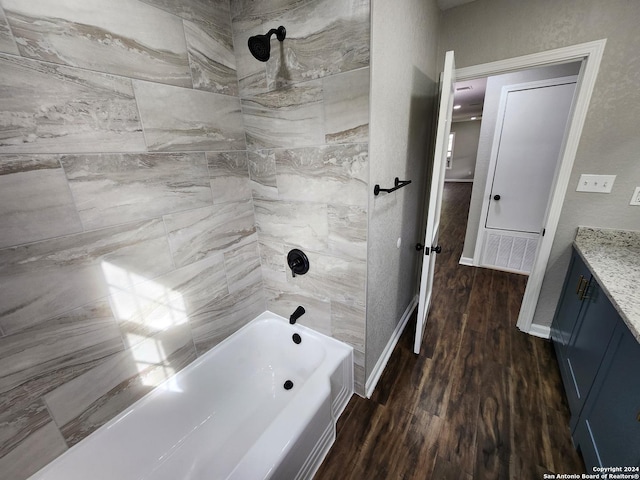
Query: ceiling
470	96
447	4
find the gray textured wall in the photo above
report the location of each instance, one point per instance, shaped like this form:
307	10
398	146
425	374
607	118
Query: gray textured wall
489	30
404	37
465	150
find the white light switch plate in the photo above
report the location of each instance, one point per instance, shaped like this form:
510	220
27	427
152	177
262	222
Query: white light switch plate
596	183
635	199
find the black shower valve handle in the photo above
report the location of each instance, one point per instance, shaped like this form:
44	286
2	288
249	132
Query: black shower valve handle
298	262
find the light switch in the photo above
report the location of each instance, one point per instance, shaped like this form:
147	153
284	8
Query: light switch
596	183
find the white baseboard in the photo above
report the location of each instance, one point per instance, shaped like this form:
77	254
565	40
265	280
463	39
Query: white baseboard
376	373
468	261
541	331
459	180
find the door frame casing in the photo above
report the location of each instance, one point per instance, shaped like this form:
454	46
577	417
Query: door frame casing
493	157
590	54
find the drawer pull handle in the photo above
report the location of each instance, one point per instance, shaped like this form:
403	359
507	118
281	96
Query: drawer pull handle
585	290
638	417
579	285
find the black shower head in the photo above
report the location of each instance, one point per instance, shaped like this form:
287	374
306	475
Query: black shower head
260	45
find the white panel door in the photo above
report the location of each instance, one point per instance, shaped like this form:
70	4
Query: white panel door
531	136
435	196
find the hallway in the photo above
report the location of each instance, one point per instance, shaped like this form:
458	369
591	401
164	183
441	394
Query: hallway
483	400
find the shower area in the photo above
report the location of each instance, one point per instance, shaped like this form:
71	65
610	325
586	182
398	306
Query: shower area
156	167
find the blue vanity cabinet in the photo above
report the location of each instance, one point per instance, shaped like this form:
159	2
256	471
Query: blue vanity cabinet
608	430
581	330
599	361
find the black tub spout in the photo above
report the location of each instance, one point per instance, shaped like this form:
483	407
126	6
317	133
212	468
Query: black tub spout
296	315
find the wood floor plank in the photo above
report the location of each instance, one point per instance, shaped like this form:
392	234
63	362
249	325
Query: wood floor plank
445	470
493	437
479	306
565	458
551	388
458	439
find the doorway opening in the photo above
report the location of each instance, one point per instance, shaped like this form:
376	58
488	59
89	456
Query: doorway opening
588	56
513	127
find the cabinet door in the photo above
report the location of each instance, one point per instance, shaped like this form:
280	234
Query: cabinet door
570	303
588	344
608	431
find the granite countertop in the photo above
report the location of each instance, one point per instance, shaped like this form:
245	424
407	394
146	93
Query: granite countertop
614	259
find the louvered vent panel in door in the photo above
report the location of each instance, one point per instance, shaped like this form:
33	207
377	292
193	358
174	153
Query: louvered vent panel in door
510	252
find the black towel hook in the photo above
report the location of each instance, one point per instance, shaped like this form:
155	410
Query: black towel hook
397	184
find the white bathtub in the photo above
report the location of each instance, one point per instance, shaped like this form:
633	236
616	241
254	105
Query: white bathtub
227	415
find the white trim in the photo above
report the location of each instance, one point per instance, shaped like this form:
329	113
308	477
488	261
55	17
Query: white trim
590	54
468	261
376	373
460	180
541	331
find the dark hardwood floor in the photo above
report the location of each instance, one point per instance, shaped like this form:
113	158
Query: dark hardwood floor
482	400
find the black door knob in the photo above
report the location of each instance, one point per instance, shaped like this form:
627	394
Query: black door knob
437	249
419	246
496	197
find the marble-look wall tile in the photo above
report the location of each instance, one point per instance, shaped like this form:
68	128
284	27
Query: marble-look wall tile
87	402
21	416
284	299
229	176
54	109
40	448
80	337
42	358
247	14
124	37
209	42
324	37
348	231
144	309
243	267
112	189
198	233
262	171
359	376
283	296
346	107
220	318
35	198
213	65
7	43
348	325
273	262
180	119
304	225
339	279
287	118
336	174
45	279
251	73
